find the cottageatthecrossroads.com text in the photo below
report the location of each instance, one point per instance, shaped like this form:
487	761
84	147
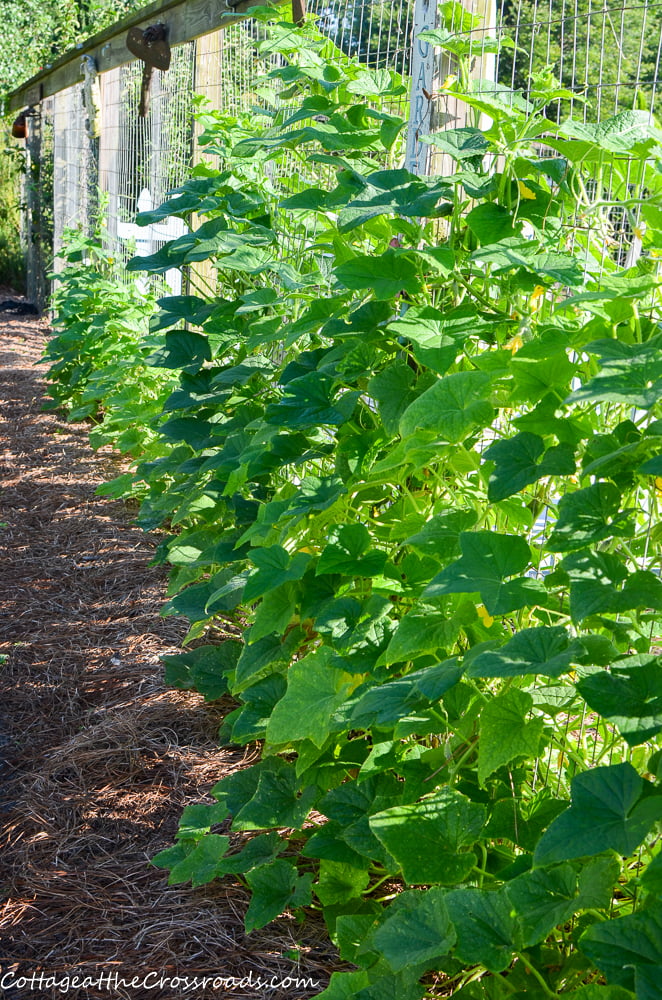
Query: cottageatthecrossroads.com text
112	981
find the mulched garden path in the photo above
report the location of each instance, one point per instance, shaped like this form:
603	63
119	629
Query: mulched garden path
97	756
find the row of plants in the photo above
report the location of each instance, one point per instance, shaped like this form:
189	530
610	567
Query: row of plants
407	452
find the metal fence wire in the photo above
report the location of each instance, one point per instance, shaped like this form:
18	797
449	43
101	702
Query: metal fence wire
94	148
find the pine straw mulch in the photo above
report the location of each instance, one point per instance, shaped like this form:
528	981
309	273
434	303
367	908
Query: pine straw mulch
97	756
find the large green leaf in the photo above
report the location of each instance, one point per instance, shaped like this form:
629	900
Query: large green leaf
182	349
435	339
393	192
624	946
416	930
546	650
630	373
505	733
203	864
394	389
347	552
460	143
452	407
339	881
618	134
421	631
386	275
310	400
587	516
546	898
427	838
600	582
275	887
315	689
629	694
487	560
522	460
486	927
440	536
275	611
607	813
203	669
276	802
274	565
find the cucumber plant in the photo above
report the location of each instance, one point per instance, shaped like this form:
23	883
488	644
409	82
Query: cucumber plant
409	455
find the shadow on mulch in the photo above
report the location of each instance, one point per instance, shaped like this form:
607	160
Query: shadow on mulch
97	757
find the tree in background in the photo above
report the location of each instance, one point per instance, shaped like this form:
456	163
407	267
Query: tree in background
609	54
34	33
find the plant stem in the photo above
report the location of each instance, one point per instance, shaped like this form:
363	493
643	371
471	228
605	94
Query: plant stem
531	969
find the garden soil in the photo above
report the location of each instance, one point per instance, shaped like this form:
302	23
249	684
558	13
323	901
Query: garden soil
97	756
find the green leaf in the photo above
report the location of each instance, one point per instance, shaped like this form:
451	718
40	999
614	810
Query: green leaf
624	946
310	400
630	373
182	349
276	802
427	837
452	407
267	655
546	650
393	192
386	275
436	341
516	252
198	818
587	516
543	899
274	565
440	536
505	735
369	83
546	898
202	865
260	699
599	582
206	668
519	461
339	882
394	390
460	143
606	813
185	308
421	631
275	887
487	560
275	611
629	695
315	689
486	927
490	222
618	134
258	851
416	930
347	553
651	877
344	985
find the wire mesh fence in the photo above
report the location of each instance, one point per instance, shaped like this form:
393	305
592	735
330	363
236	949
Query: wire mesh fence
605	54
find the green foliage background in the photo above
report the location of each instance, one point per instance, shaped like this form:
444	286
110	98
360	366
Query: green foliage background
34	33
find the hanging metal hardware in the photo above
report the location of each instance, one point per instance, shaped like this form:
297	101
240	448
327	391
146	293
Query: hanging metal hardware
151	47
20	129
